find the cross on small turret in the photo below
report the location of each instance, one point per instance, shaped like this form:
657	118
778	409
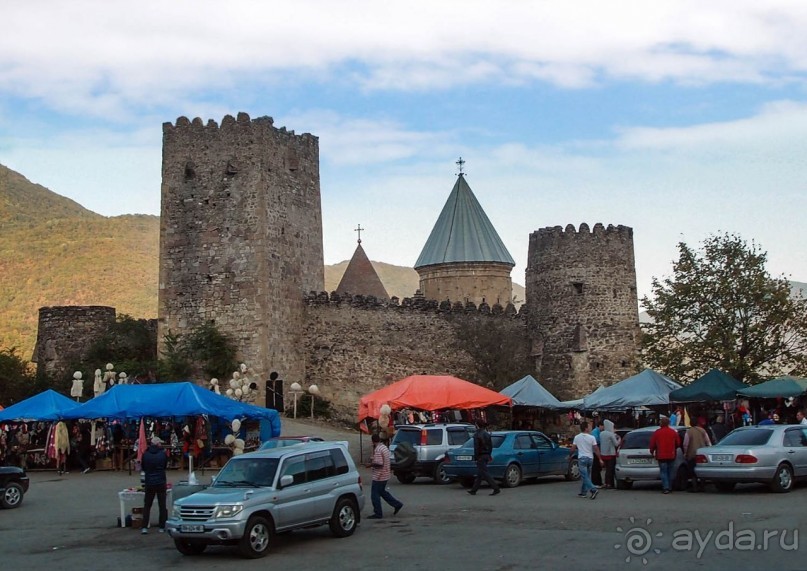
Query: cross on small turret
460	164
359	229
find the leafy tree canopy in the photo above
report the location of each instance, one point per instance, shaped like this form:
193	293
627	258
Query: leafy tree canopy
17	379
722	309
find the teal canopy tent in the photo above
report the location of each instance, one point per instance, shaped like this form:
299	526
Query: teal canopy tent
713	386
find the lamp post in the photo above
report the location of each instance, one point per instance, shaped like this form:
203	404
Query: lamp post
296	389
314	390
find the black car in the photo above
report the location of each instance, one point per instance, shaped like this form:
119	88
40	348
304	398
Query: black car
13	485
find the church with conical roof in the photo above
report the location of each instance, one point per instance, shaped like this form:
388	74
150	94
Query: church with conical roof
360	277
464	259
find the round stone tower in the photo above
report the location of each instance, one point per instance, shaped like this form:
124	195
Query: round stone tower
64	335
583	309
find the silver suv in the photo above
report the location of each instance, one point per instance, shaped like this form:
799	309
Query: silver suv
420	449
270	491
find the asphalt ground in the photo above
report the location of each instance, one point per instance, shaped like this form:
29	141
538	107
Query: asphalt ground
70	522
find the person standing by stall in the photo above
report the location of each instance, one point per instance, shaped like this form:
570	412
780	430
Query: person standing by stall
154	464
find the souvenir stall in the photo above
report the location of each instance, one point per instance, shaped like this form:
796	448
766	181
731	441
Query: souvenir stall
535	408
428	397
26	428
714	397
156	409
782	396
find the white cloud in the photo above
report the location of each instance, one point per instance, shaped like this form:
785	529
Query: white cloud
113	55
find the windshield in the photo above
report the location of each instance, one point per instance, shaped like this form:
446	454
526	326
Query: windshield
754	437
247	473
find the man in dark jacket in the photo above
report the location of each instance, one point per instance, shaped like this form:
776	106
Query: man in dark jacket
483	449
154	463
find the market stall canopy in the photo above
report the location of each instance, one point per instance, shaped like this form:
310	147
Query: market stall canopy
166	400
47	405
529	392
578	403
780	387
429	392
713	386
648	388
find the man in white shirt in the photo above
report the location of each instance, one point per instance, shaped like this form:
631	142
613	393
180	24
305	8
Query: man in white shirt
586	446
801	418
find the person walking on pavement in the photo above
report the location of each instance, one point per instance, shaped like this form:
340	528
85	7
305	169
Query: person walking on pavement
483	450
381	475
587	449
695	437
154	463
663	445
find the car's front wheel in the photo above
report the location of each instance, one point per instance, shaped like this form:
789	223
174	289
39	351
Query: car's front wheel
344	518
783	479
12	496
512	476
255	542
190	546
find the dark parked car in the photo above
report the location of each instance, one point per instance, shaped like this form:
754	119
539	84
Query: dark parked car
13	485
517	455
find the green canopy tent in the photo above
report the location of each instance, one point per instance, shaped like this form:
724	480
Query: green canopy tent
713	386
783	387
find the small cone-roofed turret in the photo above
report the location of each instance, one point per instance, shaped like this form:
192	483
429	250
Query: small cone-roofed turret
360	277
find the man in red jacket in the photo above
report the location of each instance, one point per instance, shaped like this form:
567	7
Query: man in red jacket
663	444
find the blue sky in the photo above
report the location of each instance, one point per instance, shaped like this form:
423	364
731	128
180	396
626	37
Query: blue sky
677	118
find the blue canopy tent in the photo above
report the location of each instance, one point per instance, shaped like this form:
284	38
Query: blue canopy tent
648	388
713	386
169	400
46	406
529	392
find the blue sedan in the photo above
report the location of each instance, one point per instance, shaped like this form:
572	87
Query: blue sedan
517	455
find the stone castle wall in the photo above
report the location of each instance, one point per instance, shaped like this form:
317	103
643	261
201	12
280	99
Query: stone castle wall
355	346
240	235
583	311
65	333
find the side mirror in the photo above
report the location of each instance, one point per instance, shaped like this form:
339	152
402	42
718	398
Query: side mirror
286	480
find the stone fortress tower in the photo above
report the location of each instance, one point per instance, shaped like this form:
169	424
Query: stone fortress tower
65	333
464	260
583	310
241	236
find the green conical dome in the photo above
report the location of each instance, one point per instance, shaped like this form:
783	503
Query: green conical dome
463	233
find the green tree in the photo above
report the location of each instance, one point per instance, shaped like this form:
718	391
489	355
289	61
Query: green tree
721	308
129	343
17	378
213	351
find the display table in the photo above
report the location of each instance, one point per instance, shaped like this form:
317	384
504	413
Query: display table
133	498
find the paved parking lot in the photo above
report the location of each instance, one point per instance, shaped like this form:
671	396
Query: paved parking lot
69	522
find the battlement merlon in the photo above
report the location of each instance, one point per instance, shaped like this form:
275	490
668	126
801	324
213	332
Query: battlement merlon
197	125
570	233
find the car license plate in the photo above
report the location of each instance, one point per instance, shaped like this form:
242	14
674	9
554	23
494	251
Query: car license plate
465	458
639	460
192	528
721	457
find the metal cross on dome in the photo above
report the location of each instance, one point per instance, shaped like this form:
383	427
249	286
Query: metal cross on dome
460	164
359	229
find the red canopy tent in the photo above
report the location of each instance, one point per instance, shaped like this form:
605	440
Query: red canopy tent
430	392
